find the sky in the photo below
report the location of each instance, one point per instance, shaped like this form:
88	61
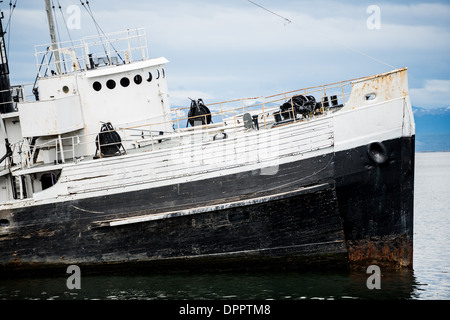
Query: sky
222	50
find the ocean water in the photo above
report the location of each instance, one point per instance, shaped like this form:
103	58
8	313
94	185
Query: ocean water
429	280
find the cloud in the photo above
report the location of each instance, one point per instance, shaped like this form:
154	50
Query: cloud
434	94
424	14
233	49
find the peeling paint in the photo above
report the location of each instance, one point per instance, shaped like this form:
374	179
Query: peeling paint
390	252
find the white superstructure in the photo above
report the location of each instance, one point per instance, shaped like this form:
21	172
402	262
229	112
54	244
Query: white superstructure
97	80
99	89
54	155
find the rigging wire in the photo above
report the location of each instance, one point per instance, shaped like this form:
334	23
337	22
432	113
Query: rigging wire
8	25
67	28
59	35
65	23
331	39
335	41
11	10
285	19
364	54
95	24
99	29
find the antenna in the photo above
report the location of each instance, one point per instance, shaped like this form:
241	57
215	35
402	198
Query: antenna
51	26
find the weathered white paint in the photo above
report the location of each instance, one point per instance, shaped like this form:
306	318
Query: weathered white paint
185	163
387	116
124	68
378	109
51	117
68	102
192	211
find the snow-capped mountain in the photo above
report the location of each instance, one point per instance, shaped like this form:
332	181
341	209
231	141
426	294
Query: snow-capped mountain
432	129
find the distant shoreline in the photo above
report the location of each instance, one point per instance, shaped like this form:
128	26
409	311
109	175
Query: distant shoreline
438	151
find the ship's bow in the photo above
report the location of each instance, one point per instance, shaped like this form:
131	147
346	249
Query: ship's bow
375	171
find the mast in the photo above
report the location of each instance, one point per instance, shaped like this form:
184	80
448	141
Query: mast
6	104
51	26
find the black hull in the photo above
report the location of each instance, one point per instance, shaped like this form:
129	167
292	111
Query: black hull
335	208
376	203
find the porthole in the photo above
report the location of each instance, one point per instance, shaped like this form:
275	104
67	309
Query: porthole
124	82
137	79
157	77
370	96
4	223
149	77
164	72
65	89
377	153
97	86
111	84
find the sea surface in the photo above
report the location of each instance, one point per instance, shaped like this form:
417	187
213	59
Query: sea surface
429	280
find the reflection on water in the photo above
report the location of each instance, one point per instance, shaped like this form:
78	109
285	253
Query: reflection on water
430	278
432	225
261	286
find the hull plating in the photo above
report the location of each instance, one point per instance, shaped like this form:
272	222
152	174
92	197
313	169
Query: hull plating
335	207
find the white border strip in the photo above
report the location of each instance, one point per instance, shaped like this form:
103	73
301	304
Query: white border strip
186	212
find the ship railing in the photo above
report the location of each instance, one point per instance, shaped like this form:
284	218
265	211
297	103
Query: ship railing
92	52
25	151
228	116
16	94
231	112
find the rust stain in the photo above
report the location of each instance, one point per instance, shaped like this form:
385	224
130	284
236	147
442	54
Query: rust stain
16	260
45	233
388	252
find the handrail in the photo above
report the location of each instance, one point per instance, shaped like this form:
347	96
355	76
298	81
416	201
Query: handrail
18	93
226	115
80	54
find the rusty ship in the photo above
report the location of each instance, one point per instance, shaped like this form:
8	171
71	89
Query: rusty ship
99	171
